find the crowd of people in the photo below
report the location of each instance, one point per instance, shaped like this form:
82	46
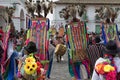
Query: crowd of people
104	59
18	50
15	47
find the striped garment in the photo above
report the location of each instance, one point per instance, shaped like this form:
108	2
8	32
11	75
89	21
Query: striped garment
94	52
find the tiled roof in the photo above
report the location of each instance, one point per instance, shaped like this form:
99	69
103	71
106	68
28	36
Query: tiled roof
114	2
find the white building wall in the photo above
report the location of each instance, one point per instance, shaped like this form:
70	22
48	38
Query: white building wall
91	18
3	13
57	21
54	18
90	13
16	16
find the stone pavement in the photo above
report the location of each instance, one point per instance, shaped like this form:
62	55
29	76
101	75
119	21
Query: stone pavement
60	70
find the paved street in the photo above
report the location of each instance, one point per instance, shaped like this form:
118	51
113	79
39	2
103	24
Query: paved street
60	70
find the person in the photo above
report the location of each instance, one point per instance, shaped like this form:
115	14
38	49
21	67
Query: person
52	40
108	67
94	51
59	40
93	37
1	55
51	53
29	49
19	43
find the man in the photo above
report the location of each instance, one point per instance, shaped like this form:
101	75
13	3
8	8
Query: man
94	51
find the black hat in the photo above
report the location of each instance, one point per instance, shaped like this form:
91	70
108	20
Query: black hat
97	39
111	48
31	47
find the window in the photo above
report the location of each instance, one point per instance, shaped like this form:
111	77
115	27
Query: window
97	29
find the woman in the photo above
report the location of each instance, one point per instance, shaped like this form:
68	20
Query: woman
108	68
30	49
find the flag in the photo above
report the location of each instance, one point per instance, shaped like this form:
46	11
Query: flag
103	35
11	67
29	24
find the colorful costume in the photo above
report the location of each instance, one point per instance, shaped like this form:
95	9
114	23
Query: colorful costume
77	43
